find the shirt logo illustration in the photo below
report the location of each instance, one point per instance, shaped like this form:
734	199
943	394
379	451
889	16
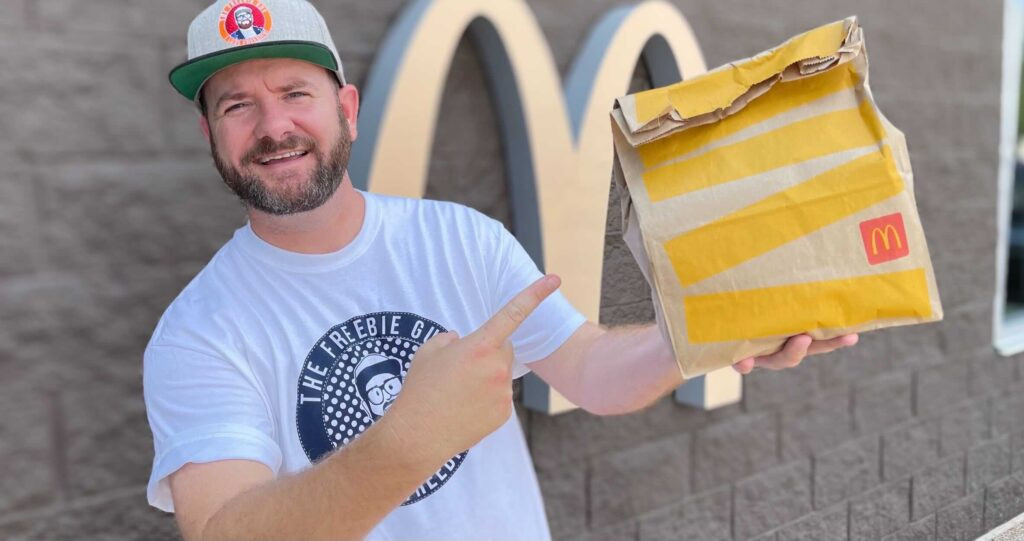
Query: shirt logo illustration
244	21
352	376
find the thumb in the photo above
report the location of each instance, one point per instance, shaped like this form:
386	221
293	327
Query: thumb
439	341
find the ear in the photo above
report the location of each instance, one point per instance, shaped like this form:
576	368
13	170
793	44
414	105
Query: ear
348	99
204	126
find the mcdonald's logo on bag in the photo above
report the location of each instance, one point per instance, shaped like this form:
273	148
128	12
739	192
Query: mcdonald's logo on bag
885	238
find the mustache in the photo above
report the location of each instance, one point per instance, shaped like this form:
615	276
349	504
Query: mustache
267	145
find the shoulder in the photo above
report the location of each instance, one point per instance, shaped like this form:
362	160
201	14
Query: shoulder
204	309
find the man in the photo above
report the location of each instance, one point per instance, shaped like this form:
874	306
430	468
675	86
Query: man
244	21
331	302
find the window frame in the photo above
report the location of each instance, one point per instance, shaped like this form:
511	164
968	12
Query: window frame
1008	328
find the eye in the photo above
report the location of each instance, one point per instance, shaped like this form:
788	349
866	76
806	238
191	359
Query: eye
296	94
236	107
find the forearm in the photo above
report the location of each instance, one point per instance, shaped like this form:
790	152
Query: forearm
342	497
626	369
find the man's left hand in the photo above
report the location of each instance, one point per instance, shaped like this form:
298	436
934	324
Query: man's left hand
794	351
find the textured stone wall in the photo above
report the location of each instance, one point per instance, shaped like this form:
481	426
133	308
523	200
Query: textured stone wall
109	204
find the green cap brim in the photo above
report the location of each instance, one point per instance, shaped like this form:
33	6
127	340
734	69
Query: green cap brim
189	77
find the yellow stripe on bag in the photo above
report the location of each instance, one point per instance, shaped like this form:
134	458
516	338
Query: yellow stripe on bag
719	88
781	98
784	217
793	309
794	143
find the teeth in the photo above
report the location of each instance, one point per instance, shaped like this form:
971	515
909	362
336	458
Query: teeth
284	156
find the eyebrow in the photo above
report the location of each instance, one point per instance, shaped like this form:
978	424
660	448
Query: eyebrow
284	89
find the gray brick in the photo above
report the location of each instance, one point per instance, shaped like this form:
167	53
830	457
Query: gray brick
565	494
963	426
578	436
988	462
80	95
922	530
620	532
27	328
937	485
626	314
909	447
815	425
765	388
989	373
632	482
141	19
30	469
1007	411
627	285
967	330
881	511
846	471
130	215
957	274
704	517
100	419
962	520
1004	500
18	218
881	402
916	346
1017	452
773	498
940	387
734	449
105	319
15	14
462	165
871	357
123	515
827	525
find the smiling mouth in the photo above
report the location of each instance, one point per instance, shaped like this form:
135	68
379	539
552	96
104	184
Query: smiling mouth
282	157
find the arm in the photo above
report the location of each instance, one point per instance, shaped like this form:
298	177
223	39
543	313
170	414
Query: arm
457	391
625	369
341	497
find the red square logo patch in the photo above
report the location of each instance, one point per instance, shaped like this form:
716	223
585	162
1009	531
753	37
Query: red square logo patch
884	238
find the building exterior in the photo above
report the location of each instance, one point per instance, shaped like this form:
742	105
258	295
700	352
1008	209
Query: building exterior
109	204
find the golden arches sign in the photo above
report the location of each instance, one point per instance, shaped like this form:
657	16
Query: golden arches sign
558	146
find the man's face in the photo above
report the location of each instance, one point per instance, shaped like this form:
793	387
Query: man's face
243	17
382	391
278	135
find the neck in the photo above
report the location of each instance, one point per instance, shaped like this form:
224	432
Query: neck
327	228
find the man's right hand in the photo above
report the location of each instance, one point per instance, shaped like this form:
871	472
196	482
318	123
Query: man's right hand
459	390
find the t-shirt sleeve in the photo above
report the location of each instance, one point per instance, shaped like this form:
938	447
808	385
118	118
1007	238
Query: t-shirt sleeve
551	324
202	408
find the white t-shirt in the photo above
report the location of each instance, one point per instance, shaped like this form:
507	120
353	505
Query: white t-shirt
279	357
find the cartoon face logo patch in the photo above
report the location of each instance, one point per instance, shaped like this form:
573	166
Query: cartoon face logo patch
352	376
244	21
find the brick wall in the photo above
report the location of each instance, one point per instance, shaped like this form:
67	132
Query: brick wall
108	205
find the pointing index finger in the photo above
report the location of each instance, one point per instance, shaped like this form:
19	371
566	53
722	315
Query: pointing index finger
499	328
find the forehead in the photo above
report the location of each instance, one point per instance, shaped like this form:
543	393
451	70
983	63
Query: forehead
268	73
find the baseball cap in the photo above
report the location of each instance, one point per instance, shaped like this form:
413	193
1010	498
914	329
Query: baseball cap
233	31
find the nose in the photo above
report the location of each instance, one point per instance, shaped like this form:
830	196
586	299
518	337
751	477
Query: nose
273	122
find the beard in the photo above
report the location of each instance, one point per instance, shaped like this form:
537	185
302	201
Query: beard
323	181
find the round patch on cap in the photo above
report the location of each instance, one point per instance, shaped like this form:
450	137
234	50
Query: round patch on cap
243	22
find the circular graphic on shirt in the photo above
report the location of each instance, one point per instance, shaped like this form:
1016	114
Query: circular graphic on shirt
351	377
244	21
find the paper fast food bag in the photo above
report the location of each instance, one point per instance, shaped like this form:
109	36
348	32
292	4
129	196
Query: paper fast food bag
769	198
